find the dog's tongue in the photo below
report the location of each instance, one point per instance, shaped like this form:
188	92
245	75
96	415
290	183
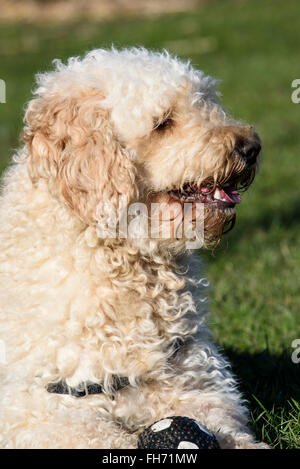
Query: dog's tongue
230	194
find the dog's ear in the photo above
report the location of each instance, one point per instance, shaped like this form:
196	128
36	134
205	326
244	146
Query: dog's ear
71	142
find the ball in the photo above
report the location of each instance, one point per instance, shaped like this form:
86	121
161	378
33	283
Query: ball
177	433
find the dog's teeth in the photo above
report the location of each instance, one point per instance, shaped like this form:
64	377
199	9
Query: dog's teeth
217	194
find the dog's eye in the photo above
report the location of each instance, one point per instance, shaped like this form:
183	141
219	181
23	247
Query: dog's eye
165	124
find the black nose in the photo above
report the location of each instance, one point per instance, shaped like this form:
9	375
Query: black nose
248	149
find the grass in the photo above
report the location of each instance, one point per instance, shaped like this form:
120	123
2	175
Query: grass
280	429
253	46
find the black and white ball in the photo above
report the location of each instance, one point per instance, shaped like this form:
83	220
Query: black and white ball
177	433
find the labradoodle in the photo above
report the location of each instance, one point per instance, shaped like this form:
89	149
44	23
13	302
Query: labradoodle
103	320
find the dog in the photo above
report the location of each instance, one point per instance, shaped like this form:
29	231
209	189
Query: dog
104	331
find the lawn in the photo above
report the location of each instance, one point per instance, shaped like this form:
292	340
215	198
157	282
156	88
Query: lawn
253	47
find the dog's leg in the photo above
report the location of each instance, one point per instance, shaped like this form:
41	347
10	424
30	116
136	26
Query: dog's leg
223	414
37	420
201	386
210	394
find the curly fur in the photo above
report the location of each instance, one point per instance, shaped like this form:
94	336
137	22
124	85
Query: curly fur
82	307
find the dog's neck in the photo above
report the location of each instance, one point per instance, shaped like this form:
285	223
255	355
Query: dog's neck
110	308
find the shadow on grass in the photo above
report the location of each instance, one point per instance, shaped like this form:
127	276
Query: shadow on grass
274	381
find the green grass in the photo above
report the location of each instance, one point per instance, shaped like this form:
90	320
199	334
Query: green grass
253	46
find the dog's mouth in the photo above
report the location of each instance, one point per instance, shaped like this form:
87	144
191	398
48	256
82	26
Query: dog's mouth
219	196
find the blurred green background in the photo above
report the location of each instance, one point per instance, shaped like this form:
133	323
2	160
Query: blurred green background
254	48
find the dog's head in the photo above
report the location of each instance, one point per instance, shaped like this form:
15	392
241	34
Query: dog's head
120	127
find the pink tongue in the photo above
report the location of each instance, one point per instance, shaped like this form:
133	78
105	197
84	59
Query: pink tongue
231	195
204	189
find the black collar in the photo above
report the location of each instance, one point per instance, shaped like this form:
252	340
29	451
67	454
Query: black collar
85	388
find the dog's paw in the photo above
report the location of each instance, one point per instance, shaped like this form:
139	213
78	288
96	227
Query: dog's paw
254	446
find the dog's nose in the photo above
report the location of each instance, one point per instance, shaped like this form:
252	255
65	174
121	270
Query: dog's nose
248	149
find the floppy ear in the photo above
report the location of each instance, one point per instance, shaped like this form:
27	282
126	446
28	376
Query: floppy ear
71	143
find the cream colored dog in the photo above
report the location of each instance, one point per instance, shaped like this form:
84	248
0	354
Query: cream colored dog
104	334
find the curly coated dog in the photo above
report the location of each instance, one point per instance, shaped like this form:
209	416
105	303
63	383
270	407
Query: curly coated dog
104	329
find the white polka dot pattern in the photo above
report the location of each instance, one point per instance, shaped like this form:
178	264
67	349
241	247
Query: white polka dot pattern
187	445
177	432
161	425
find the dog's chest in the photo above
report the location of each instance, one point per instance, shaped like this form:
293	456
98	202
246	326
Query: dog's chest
92	330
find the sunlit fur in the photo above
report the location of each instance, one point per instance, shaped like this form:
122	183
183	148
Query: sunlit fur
81	307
